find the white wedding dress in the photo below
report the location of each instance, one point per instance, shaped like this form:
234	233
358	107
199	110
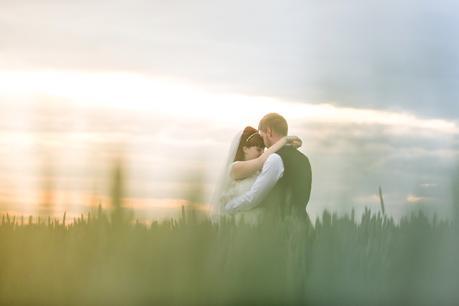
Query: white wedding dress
235	188
228	189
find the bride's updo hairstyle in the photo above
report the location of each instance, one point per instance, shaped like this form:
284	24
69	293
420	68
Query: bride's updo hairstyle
249	138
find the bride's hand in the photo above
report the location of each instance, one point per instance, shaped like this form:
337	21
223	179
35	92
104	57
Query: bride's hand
294	141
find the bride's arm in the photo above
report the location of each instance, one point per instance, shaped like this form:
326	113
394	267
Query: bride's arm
243	169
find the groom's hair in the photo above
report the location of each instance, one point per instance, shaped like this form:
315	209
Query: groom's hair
275	122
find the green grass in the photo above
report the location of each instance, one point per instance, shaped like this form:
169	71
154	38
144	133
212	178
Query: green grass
194	261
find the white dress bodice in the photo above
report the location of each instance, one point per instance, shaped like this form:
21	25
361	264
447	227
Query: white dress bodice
237	188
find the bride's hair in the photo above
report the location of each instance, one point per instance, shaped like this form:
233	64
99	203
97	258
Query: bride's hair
249	138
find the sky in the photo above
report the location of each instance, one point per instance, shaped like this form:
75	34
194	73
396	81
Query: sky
370	86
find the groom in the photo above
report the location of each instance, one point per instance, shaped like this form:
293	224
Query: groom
283	187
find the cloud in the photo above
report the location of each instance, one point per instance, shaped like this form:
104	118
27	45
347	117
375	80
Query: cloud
349	159
413	199
366	54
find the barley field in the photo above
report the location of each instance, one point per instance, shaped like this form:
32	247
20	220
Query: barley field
105	258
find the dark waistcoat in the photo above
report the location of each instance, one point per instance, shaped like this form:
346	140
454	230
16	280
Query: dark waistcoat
291	193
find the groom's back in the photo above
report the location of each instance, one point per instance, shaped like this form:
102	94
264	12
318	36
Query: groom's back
296	181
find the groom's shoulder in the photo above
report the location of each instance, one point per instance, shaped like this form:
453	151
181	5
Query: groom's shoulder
290	151
274	161
292	154
274	158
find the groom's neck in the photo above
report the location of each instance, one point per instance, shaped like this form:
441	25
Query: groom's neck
275	139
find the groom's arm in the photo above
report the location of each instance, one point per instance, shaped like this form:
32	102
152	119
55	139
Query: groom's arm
272	171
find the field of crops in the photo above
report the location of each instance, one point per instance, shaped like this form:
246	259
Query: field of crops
104	258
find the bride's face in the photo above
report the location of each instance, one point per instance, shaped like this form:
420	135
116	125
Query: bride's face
266	136
252	152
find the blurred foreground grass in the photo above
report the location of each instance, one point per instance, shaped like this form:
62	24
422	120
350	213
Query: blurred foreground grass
105	259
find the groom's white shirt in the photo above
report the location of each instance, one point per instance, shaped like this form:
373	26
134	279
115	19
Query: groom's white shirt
272	171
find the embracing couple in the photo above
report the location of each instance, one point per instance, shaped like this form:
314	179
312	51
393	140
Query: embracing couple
275	182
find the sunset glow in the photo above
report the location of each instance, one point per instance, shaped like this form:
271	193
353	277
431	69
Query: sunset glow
151	119
180	99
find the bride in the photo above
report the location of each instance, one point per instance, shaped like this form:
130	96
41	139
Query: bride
244	163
